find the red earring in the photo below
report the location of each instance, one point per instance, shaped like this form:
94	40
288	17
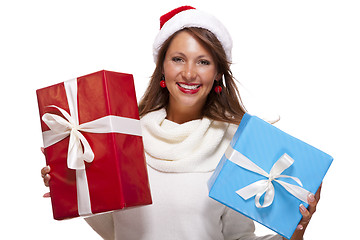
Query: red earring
162	82
217	88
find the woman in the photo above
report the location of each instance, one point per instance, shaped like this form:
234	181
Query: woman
189	113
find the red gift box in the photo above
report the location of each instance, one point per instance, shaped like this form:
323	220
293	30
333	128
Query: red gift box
115	176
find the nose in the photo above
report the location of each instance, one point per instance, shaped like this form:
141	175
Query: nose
189	72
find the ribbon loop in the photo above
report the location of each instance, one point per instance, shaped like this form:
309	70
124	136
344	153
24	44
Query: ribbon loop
252	189
56	123
261	187
79	149
284	162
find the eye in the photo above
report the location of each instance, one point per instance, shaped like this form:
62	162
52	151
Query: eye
204	62
176	59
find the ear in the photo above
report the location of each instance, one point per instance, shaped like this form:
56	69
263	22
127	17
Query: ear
218	77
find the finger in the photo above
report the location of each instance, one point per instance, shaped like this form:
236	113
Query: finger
312	203
306	215
45	170
313	200
300	227
46	195
46	180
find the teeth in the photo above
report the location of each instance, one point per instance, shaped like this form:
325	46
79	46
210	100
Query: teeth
189	87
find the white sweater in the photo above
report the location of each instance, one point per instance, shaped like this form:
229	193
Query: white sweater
180	160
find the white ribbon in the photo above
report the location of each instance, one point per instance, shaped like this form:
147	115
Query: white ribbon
266	186
79	149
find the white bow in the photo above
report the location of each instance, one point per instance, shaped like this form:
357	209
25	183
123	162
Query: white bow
61	127
266	186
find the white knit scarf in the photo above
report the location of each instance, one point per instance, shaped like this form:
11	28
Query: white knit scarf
195	146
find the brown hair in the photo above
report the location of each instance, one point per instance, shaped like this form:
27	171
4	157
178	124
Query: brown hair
225	107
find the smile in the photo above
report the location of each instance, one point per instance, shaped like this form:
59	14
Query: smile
189	88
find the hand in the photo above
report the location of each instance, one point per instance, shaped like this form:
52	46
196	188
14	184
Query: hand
46	176
307	214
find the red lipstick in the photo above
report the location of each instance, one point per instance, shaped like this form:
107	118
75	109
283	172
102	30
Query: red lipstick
189	88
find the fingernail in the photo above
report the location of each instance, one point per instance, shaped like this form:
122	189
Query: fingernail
300	227
311	197
302	208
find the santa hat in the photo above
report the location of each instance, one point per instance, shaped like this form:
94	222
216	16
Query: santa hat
187	16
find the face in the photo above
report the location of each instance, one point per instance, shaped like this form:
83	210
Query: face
189	71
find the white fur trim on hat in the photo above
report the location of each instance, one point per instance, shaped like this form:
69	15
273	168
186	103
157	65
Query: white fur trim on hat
193	18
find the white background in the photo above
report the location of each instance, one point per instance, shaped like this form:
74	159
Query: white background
299	59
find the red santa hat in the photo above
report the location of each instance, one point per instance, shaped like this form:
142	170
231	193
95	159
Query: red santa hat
187	16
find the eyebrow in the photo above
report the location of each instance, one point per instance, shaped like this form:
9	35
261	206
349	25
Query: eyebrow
183	54
203	56
178	53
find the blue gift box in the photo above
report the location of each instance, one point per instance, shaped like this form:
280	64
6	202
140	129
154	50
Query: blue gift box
263	144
